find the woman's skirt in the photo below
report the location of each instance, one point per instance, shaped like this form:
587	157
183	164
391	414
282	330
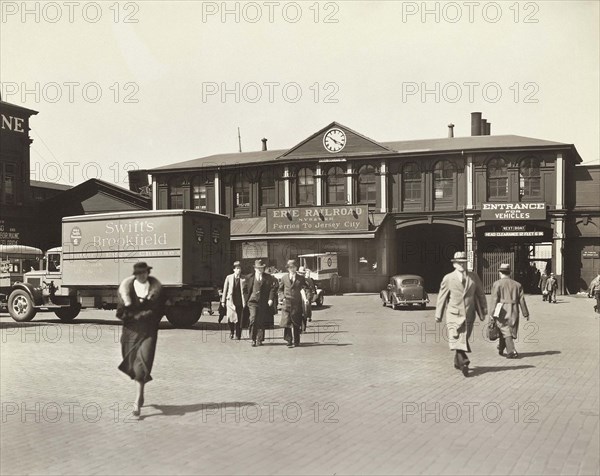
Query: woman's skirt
138	345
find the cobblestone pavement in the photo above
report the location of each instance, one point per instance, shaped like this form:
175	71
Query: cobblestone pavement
371	391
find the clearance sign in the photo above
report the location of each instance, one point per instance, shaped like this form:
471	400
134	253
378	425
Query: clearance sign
513	211
341	218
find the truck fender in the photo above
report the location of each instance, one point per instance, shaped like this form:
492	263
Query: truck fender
35	293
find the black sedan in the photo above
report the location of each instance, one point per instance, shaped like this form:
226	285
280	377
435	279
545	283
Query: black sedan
405	290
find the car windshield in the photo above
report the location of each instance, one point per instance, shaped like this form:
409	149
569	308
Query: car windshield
410	282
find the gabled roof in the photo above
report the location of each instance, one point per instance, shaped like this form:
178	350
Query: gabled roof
356	144
49	185
370	148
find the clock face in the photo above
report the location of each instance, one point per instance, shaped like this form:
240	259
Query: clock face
334	140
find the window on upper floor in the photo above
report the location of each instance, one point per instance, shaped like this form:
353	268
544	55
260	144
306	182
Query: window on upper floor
367	185
199	194
267	188
176	194
241	192
305	187
497	179
443	180
411	183
336	186
530	179
9	174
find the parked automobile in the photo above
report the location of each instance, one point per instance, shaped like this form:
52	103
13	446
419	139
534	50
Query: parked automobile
404	290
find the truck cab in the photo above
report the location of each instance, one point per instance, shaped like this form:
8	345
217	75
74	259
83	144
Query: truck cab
324	270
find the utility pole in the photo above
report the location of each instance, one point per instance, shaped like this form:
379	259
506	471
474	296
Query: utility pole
239	139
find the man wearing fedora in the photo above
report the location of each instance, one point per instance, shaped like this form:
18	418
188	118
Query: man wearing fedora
461	296
261	292
292	312
234	300
507	296
551	288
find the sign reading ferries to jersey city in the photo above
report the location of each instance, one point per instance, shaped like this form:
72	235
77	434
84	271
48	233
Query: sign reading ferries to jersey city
343	218
513	211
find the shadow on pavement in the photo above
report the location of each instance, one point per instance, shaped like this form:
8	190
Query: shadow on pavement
180	410
535	354
484	370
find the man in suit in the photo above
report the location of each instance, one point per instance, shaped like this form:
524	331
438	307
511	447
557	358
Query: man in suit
542	285
552	287
292	312
261	293
508	293
594	292
234	300
460	298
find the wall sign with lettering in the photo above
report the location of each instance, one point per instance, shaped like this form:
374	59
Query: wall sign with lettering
330	219
513	211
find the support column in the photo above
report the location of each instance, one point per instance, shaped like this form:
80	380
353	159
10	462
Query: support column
286	187
217	192
384	189
154	194
470	182
349	184
470	242
560	182
319	185
559	243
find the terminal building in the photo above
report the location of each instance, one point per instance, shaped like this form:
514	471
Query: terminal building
401	207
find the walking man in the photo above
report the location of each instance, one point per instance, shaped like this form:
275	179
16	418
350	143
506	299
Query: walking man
595	292
507	297
261	294
542	285
291	286
460	298
551	287
233	300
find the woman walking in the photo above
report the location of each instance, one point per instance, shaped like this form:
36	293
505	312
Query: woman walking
141	309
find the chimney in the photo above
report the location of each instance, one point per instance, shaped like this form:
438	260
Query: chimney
450	130
483	127
475	123
264	143
488	128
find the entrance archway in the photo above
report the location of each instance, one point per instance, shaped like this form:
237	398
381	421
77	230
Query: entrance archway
426	249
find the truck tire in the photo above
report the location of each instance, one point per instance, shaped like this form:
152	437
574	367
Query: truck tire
20	306
67	314
183	317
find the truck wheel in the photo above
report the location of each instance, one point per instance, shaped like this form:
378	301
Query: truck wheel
67	314
183	316
20	306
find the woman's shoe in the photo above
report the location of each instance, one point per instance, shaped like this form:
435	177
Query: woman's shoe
136	410
465	370
512	355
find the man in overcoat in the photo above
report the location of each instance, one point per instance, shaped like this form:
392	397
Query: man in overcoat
292	311
542	286
461	297
261	292
509	293
552	287
234	300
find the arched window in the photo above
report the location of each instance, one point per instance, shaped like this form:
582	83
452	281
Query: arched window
199	194
411	183
336	186
176	194
241	193
305	187
267	188
367	185
530	179
443	180
497	179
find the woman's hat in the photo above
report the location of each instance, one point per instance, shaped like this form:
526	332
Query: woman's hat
504	267
259	263
141	267
291	263
301	270
237	264
459	257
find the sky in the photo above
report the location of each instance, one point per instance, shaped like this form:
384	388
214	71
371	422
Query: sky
124	85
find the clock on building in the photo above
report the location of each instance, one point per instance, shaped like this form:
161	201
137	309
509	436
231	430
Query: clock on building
334	140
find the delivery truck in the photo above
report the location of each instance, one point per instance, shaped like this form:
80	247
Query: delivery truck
188	251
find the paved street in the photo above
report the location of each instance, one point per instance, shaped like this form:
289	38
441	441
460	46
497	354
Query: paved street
372	391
